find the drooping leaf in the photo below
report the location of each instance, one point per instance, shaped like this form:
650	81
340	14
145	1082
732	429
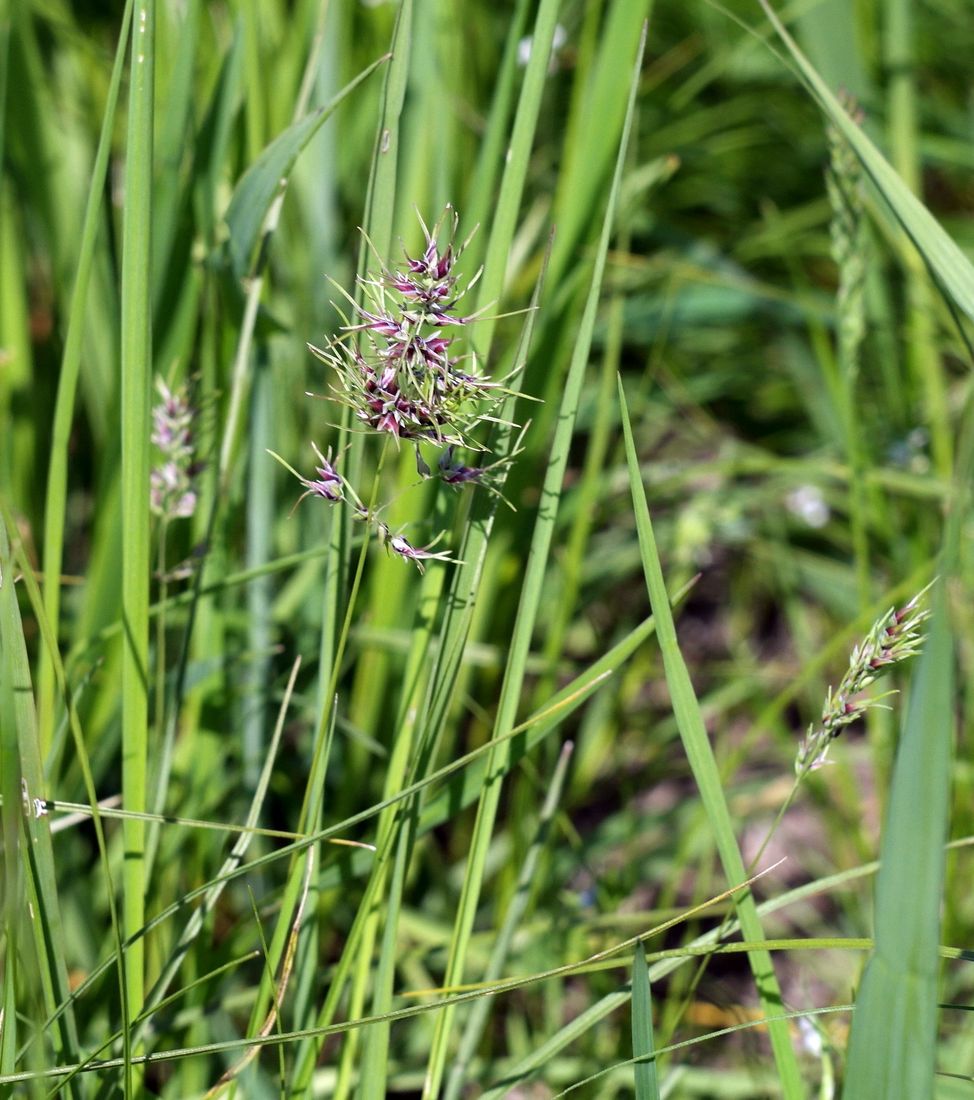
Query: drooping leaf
269	173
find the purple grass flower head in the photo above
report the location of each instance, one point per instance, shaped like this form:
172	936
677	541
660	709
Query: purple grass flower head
168	492
455	473
327	485
396	364
172	491
401	366
400	545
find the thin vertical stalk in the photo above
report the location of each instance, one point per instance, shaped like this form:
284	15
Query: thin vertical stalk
136	360
922	354
480	1012
260	520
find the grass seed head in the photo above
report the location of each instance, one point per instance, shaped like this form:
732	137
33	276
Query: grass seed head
893	639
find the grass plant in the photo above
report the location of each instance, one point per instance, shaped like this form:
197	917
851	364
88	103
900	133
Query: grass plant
446	454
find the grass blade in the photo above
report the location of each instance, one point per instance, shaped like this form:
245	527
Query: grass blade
647	1087
17	702
892	1048
262	181
508	203
952	268
704	766
505	936
57	473
136	344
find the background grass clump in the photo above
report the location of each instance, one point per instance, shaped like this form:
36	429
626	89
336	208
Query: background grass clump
283	814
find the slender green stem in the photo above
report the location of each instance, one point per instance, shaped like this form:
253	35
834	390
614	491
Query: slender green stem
135	410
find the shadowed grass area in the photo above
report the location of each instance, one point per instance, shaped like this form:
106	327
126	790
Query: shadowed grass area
609	338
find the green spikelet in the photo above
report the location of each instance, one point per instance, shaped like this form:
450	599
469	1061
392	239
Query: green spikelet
843	181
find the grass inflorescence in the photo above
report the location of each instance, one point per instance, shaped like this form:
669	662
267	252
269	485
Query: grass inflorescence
643	354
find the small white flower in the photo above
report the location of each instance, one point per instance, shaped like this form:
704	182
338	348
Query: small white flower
526	44
807	503
811	1037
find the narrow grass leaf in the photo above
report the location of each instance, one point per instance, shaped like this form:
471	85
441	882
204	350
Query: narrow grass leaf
13	897
600	103
504	217
22	763
893	1045
64	407
954	271
647	1086
261	183
136	344
490	158
700	755
380	199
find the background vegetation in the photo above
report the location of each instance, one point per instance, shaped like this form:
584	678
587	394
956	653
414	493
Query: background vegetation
795	372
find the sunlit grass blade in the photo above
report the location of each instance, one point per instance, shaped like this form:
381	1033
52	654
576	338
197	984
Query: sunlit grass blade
600	106
380	200
491	156
136	389
13	897
922	353
508	203
893	1046
705	771
526	618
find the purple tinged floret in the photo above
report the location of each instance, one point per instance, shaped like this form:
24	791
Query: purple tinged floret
894	638
328	484
400	545
172	492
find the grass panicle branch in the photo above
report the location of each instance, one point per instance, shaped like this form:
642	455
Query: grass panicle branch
894	638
